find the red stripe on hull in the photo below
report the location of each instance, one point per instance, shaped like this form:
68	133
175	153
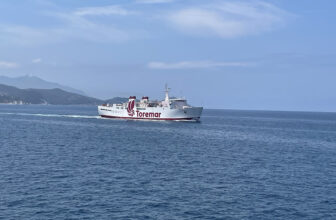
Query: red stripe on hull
160	119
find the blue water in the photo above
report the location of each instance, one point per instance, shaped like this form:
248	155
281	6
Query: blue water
62	162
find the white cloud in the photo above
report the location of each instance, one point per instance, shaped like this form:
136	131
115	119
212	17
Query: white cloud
72	27
226	19
7	65
78	27
229	19
37	60
196	64
153	1
24	35
105	10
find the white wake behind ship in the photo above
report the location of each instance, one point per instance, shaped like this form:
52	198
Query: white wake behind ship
175	109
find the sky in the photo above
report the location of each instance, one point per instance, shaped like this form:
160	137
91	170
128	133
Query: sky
223	54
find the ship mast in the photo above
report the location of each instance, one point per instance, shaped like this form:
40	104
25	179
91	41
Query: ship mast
167	93
167	96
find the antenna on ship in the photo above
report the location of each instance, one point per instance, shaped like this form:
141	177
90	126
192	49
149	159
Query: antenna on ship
167	93
167	101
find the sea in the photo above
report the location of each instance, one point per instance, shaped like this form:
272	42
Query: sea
64	162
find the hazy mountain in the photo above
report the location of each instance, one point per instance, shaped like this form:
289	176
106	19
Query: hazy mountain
10	94
26	82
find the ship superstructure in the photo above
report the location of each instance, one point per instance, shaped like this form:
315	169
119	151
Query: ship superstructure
169	109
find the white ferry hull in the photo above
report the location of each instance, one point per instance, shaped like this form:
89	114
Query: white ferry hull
176	109
186	114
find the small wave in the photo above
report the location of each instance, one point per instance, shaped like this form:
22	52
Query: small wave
51	115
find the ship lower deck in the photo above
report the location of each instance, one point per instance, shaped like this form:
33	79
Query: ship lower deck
150	119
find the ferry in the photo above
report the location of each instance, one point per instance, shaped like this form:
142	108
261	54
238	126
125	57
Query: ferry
172	109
